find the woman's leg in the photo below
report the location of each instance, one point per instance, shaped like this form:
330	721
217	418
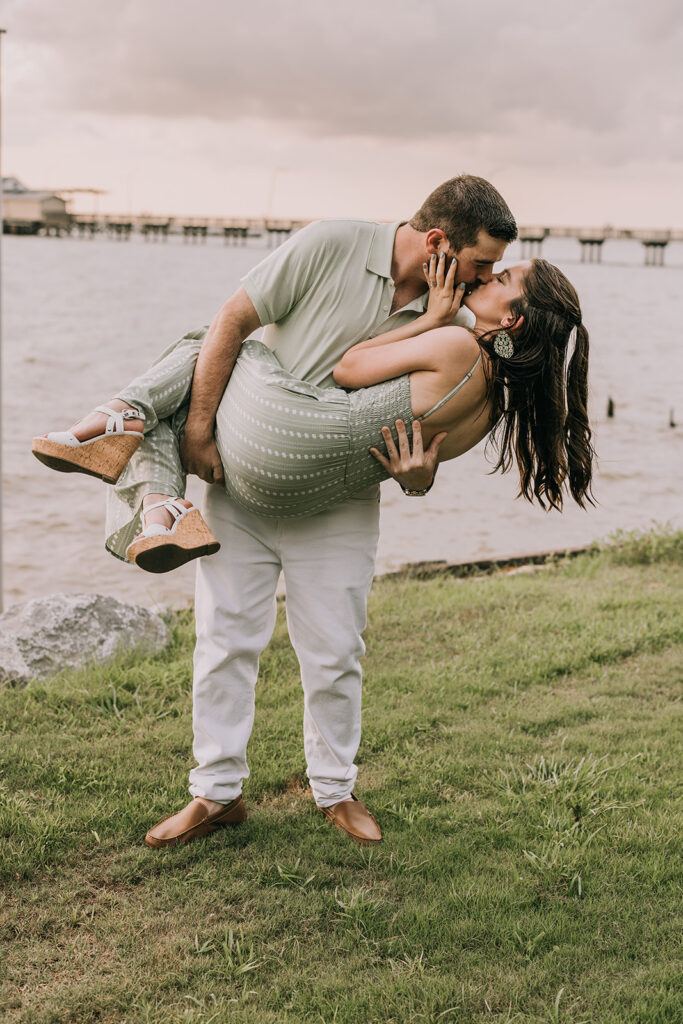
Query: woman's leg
164	388
103	442
148	522
157	393
154	474
134	443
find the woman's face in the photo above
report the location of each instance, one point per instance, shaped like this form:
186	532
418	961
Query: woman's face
490	302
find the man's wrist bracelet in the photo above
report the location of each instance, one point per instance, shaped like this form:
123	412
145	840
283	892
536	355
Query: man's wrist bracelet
417	494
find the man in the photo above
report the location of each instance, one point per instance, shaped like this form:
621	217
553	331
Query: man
331	285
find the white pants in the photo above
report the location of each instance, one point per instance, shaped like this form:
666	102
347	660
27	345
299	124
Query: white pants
328	562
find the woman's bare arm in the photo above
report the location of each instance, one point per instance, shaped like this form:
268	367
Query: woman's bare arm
362	366
358	367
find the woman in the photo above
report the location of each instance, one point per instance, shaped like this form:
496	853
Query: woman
290	448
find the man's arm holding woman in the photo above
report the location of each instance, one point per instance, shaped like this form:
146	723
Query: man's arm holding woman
269	291
234	322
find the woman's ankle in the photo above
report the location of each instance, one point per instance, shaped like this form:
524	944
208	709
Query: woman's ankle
160	515
94	422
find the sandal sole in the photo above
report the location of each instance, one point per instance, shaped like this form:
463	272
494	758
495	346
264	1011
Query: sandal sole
191	538
105	458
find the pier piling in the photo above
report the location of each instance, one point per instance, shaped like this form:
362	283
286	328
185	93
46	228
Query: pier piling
119	229
278	231
531	240
155	229
654	251
195	232
85	228
235	234
591	248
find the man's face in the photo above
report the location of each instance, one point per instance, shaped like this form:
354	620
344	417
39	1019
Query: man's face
475	262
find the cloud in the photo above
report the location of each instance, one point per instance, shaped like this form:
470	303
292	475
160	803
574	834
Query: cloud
535	79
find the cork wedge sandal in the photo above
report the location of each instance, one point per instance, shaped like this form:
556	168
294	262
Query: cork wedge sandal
104	456
160	549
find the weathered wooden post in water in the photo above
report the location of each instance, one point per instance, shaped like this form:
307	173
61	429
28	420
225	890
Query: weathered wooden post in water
2	32
531	240
654	244
591	246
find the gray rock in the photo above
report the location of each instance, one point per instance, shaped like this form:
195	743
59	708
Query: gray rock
49	634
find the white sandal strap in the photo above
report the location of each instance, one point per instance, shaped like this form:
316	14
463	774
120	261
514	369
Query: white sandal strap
133	414
172	505
64	437
114	426
116	418
153	530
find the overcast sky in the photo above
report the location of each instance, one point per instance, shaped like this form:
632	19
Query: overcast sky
312	108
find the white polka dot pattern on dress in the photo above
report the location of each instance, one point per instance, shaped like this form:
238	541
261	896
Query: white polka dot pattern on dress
289	448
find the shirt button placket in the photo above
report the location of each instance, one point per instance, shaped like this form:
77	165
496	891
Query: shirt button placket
387	297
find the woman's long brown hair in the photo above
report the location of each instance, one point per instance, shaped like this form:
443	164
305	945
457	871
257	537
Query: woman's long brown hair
539	395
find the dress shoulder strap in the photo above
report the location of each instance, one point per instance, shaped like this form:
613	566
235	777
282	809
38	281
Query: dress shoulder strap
450	393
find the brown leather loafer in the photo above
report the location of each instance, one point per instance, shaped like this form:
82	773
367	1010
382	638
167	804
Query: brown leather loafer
353	817
194	821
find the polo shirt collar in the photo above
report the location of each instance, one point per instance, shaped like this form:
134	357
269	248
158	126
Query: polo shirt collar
379	260
382	248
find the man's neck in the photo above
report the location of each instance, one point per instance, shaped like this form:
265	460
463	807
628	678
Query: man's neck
406	262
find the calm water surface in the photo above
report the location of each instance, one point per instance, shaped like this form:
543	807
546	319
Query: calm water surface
81	317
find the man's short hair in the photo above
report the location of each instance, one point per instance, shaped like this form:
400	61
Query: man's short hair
464	206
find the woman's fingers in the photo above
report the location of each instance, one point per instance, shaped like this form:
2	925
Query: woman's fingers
445	297
440	269
457	293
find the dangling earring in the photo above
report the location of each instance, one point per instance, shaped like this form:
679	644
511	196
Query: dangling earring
502	345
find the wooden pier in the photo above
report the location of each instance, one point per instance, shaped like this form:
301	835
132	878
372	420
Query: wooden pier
592	240
190	229
238	231
233	231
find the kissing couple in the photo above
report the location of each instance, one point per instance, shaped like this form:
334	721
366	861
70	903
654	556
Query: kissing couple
387	349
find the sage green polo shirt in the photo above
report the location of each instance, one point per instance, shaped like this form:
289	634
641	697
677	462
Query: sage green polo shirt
326	288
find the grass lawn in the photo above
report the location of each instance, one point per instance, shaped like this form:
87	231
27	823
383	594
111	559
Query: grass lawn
520	751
